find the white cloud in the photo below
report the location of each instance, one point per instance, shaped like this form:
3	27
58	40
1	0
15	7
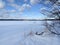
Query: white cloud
13	10
28	6
9	13
14	5
11	1
47	2
43	8
6	13
25	0
34	1
2	4
18	9
24	6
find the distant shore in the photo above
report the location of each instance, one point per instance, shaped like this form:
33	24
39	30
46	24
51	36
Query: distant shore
29	19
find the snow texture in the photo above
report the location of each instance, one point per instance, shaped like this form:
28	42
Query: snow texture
23	33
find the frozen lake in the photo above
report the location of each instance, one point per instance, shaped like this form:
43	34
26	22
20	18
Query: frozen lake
14	33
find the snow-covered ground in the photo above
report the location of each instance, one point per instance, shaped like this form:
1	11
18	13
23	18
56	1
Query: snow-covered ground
16	33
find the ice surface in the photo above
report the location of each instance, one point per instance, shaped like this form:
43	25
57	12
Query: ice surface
16	33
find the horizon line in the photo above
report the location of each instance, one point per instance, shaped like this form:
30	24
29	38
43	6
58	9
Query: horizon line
29	19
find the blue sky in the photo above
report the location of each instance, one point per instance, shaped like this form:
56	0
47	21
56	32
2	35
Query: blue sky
22	8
